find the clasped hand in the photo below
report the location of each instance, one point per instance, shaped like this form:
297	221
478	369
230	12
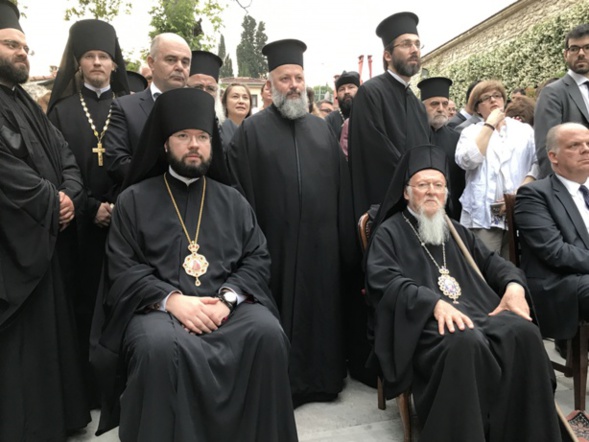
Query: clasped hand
197	314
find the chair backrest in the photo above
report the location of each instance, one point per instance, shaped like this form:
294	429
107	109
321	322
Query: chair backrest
513	235
364	230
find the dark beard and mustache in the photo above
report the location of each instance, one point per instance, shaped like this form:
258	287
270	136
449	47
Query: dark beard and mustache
290	108
404	69
186	170
11	74
345	105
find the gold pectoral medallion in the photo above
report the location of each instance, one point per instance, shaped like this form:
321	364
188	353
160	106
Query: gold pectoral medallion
195	264
448	285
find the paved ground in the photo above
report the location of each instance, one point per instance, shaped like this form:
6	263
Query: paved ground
354	417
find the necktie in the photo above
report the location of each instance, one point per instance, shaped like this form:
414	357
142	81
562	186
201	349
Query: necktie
157	94
585	193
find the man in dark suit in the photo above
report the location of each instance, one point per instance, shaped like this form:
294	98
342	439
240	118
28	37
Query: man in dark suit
552	215
565	100
169	59
466	113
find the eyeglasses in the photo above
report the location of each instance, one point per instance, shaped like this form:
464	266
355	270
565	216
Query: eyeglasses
325	110
15	46
496	96
208	88
408	44
184	138
576	49
424	186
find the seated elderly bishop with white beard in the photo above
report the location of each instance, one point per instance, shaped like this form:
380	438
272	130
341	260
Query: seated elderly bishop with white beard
463	341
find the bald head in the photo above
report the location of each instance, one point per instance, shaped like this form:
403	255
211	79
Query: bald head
568	151
169	61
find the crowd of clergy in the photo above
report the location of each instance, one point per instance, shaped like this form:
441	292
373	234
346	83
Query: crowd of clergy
191	265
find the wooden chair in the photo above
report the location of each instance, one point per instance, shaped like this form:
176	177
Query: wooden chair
404	399
576	360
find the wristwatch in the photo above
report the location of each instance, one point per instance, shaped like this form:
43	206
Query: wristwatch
229	298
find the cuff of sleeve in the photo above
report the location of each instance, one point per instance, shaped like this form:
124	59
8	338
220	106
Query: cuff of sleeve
240	296
162	305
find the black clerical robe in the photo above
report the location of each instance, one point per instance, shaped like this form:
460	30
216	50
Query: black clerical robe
86	264
386	120
447	139
335	120
231	384
493	383
40	381
294	175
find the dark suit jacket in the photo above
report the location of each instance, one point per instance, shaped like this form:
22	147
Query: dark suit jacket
129	114
457	119
559	102
555	253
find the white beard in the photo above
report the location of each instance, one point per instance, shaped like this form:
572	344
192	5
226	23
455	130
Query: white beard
290	108
219	111
433	230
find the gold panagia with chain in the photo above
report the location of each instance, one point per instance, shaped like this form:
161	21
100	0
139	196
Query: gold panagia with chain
447	284
195	264
99	150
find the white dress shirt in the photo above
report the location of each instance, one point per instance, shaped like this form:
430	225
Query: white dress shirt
577	195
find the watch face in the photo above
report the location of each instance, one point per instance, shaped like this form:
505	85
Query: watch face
230	297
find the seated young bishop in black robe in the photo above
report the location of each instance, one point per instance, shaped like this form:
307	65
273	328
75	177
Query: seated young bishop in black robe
477	368
190	339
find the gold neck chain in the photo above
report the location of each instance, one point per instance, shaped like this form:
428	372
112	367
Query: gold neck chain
98	149
202	203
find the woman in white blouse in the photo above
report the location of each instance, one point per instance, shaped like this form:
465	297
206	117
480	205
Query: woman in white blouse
498	155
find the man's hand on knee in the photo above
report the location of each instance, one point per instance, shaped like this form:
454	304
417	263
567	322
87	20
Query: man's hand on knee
514	300
197	314
447	316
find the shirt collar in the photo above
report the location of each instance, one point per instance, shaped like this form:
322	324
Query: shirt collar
571	186
187	181
579	79
465	114
99	90
399	79
154	90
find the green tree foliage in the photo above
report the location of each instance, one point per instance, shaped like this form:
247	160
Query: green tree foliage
101	9
527	61
180	17
250	60
227	68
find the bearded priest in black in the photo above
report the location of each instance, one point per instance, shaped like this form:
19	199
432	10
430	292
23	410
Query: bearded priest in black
91	74
41	388
460	335
188	340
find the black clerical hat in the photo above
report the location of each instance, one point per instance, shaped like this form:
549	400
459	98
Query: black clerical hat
88	35
173	111
93	35
206	63
137	82
395	25
9	15
347	78
414	160
281	52
435	87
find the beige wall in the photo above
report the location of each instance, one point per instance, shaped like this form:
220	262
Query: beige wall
496	30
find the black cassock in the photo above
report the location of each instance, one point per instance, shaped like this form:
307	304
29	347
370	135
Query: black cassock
492	383
447	139
386	120
231	384
335	121
69	117
294	175
41	388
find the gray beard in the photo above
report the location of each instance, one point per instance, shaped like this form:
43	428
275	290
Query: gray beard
438	121
432	230
291	108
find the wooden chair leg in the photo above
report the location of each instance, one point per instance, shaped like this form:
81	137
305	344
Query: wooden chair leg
579	356
404	405
382	403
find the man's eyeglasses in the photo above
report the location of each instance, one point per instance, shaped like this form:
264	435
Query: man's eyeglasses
184	138
15	45
408	44
424	187
487	98
575	49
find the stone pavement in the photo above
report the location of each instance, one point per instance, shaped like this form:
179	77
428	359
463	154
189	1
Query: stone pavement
353	417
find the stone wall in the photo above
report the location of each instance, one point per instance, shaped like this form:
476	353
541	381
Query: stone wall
495	31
